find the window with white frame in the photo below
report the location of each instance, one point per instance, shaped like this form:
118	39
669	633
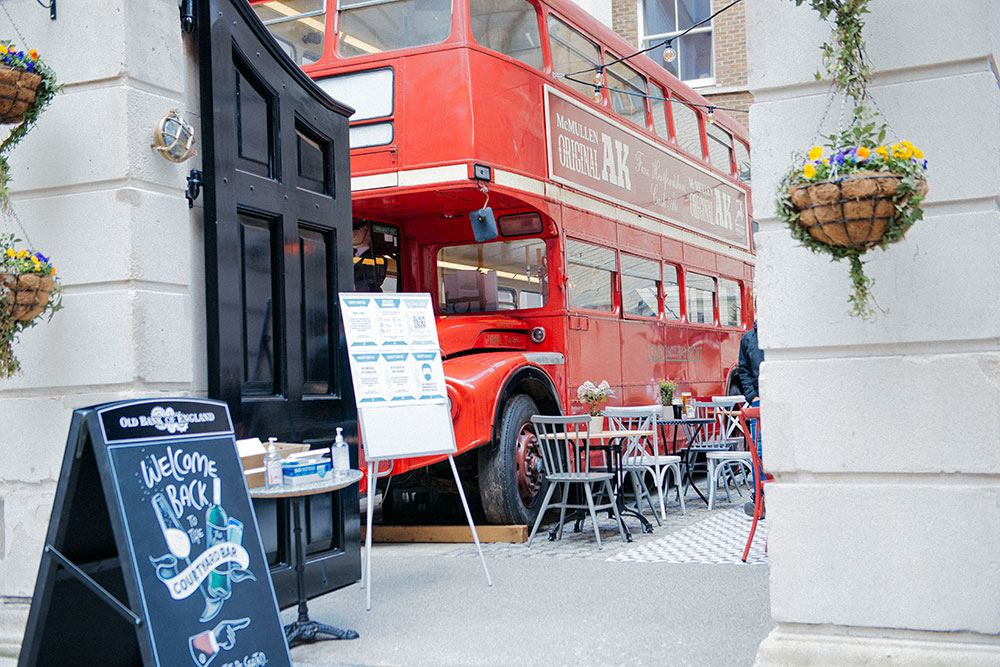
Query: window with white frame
665	19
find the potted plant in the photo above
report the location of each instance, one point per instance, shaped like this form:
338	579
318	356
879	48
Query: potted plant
27	86
863	193
594	396
29	290
667	390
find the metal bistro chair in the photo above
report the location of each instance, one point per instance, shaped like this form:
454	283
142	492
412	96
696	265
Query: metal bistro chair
641	455
565	445
729	434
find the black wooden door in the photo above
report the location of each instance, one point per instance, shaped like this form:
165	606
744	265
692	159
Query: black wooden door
277	250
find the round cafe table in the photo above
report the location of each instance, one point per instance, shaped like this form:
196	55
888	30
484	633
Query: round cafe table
304	629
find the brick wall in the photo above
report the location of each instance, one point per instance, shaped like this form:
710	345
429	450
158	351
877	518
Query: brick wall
625	19
730	37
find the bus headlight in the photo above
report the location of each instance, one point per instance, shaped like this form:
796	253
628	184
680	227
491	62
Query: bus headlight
538	334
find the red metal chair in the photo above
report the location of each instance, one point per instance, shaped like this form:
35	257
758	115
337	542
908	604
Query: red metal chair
746	414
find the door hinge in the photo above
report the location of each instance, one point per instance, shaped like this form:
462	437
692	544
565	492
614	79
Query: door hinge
193	187
186	8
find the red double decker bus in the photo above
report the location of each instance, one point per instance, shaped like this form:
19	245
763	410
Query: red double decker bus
621	203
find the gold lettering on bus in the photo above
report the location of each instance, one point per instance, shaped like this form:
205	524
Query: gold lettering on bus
691	353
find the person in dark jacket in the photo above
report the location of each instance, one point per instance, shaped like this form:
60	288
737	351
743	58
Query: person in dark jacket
749	371
750	357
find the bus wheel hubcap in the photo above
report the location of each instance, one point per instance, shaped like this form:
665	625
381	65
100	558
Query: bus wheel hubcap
528	462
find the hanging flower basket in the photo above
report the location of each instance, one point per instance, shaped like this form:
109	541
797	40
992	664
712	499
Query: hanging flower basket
18	90
853	211
28	290
25	295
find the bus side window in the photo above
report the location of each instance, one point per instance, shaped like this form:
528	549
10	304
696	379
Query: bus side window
686	128
630	102
659	108
572	52
742	161
509	27
671	293
640	286
591	273
720	148
730	303
700	298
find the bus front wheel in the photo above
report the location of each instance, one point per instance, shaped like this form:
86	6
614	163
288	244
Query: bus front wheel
510	472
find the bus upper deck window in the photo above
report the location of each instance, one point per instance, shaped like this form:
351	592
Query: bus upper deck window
686	128
627	90
572	52
742	161
502	275
720	148
509	27
659	109
375	26
297	25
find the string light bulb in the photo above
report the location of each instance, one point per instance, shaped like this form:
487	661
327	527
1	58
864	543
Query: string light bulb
669	54
598	97
599	77
711	114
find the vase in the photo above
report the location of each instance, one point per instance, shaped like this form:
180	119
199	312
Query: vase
849	212
596	424
17	93
26	293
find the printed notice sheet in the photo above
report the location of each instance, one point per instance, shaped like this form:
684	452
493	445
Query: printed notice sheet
393	347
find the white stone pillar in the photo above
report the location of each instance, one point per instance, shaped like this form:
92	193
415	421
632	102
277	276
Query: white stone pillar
884	519
111	213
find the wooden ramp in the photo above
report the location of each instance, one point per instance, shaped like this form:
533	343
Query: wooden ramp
447	534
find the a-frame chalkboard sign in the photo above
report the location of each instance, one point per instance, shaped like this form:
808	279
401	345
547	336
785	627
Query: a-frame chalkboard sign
153	555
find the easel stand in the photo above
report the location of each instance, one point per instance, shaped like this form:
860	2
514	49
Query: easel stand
366	575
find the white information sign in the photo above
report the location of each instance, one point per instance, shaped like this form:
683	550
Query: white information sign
399	388
393	347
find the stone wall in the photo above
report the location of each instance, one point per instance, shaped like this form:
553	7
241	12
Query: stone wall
92	194
884	519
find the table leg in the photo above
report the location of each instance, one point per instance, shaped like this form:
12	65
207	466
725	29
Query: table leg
304	629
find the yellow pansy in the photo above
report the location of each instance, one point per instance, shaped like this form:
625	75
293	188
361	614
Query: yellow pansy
917	153
883	151
808	171
10	252
815	153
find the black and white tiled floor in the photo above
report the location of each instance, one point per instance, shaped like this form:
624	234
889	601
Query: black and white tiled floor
718	539
700	536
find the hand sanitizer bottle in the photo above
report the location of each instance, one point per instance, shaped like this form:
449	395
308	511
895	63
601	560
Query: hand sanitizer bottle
272	465
341	456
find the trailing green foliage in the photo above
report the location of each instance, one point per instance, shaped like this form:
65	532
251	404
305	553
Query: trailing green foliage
860	147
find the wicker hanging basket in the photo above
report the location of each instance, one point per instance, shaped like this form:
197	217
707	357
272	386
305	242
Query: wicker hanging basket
26	294
17	93
851	212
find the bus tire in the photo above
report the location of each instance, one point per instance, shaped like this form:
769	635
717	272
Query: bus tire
510	476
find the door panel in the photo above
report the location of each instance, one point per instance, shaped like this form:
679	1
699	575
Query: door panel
277	248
